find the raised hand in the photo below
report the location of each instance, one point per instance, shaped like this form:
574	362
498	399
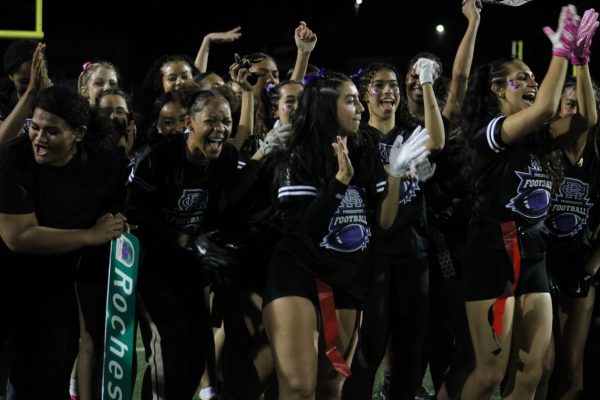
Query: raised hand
345	168
471	9
402	154
38	79
305	38
201	61
428	70
563	39
222	37
276	139
240	75
583	40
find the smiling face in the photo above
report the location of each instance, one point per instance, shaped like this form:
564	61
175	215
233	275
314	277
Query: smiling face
54	141
383	94
101	78
210	127
414	91
519	89
174	73
349	109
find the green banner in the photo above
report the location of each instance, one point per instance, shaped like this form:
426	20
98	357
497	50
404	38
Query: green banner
119	331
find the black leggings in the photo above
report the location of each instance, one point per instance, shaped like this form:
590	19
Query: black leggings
174	323
398	305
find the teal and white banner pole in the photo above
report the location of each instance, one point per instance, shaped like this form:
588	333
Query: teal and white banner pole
119	330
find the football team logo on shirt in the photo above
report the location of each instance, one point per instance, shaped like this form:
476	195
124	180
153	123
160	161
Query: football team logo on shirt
349	228
384	152
570	208
533	194
408	188
192	199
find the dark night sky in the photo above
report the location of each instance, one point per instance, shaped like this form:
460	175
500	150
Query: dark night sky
382	30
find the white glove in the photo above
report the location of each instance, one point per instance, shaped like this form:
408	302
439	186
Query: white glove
428	70
421	168
402	154
276	139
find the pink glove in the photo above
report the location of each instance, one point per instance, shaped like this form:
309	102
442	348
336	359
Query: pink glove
583	40
563	40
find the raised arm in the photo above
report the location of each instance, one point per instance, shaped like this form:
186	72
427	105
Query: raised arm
546	102
245	127
201	61
572	126
38	81
462	61
428	72
305	42
580	57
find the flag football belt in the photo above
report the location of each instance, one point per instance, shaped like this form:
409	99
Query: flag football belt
330	328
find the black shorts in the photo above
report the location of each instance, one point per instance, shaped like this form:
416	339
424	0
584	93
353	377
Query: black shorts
286	280
488	272
566	264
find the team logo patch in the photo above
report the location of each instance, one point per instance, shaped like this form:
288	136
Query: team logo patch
384	152
570	208
125	251
348	229
408	190
533	194
192	199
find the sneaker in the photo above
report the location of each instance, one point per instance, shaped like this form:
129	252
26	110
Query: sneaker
425	394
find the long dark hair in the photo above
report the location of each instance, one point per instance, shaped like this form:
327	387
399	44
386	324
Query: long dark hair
481	105
315	128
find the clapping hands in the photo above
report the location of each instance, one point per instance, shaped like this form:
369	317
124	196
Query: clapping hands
403	153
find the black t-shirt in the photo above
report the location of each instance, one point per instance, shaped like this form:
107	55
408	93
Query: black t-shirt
570	210
510	182
328	227
407	236
68	197
168	195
